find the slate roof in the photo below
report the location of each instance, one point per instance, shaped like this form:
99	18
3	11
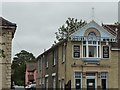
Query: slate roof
112	30
4	22
31	66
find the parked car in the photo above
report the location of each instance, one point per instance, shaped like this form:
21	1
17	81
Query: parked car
31	87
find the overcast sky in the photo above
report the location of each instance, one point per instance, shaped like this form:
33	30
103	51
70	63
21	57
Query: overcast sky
37	22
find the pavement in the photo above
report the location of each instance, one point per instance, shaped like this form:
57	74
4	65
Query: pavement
19	88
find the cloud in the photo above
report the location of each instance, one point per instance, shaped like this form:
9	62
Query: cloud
38	21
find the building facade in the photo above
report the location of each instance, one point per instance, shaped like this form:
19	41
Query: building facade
7	30
119	11
88	59
30	75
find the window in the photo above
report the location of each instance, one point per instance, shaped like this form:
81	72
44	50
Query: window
104	80
92	51
62	84
54	83
105	51
46	83
46	59
30	73
76	51
63	53
47	64
91	47
78	81
54	57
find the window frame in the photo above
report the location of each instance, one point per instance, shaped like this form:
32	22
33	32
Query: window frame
73	51
63	53
54	57
77	78
54	82
109	51
97	45
104	78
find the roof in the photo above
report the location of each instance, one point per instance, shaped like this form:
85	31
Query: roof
7	25
54	46
112	29
4	22
31	66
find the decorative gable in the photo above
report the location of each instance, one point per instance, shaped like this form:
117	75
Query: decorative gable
102	34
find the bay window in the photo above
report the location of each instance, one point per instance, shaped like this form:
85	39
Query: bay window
91	47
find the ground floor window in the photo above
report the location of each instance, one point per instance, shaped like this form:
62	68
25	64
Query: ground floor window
54	83
46	83
78	81
62	84
90	80
104	80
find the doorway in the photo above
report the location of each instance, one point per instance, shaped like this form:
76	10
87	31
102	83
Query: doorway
90	84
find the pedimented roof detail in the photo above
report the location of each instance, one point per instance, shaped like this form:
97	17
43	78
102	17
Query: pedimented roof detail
104	32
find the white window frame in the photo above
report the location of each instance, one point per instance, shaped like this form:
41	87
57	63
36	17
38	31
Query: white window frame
73	51
54	56
46	84
54	82
63	52
104	78
62	84
109	52
87	49
91	77
47	64
77	78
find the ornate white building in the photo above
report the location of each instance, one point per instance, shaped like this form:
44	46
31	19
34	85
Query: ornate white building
7	30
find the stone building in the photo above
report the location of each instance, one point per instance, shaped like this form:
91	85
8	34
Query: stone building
7	30
89	59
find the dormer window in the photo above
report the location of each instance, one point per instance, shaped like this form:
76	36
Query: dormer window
91	47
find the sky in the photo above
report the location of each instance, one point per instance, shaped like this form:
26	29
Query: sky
37	22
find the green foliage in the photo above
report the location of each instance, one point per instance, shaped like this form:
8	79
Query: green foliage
71	25
19	66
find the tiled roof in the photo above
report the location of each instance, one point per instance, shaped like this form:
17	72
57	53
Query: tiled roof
31	66
112	30
4	22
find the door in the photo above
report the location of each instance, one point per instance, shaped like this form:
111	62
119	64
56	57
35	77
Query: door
90	84
78	84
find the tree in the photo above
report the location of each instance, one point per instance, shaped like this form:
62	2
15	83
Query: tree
71	25
19	66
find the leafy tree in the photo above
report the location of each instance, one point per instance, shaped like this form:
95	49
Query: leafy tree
71	25
19	66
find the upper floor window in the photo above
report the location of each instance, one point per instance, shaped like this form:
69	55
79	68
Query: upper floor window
106	51
91	47
76	51
63	53
54	57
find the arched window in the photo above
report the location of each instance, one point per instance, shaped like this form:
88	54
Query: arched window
91	47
